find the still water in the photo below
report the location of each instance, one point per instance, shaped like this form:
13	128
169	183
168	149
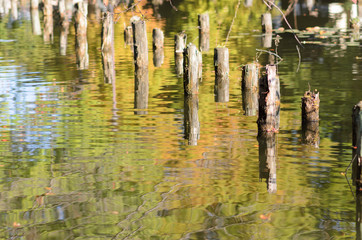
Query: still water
78	161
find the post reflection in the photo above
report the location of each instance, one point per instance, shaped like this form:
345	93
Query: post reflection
191	119
141	91
267	160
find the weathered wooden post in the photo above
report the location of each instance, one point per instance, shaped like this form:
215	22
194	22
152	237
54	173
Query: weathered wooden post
128	35
221	63
357	144
266	23
269	101
267	160
191	119
180	45
141	91
81	46
6	6
14	10
250	88
204	32
140	43
109	73
248	3
64	27
48	21
310	118
158	54
267	40
191	69
35	21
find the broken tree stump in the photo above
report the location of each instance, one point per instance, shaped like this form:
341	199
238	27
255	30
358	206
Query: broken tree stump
204	32
250	88
180	45
357	144
191	69
221	63
269	101
191	119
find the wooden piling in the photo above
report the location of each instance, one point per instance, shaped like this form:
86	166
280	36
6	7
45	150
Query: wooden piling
191	69
109	73
140	43
34	4
128	35
266	23
191	119
221	63
180	45
35	21
141	91
267	160
269	101
48	21
107	31
64	27
81	45
14	10
357	144
267	40
250	88
158	54
204	32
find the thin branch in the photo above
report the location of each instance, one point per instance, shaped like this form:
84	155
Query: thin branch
173	6
236	12
300	58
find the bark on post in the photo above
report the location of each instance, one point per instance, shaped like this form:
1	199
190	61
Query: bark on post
250	88
357	144
221	63
267	160
128	35
141	91
191	69
81	46
204	32
180	45
266	23
269	101
158	54
109	73
48	21
14	10
191	119
64	27
140	47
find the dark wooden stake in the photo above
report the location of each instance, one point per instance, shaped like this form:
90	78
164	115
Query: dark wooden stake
81	46
141	91
266	23
128	35
48	21
158	54
267	160
269	101
180	45
250	88
221	63
191	119
140	43
204	32
191	69
357	144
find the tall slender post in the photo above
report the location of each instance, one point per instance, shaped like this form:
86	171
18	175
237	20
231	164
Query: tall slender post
269	101
191	69
180	45
250	88
266	23
35	21
81	45
108	45
221	63
64	27
48	21
140	43
357	144
158	54
204	32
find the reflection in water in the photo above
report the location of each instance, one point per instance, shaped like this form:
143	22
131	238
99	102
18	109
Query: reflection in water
268	160
358	215
141	89
310	133
64	26
191	119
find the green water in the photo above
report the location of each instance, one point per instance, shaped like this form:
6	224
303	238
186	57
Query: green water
77	162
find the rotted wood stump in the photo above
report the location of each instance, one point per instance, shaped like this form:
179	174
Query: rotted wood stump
158	54
357	144
250	88
310	118
221	63
191	119
191	69
81	46
180	45
204	32
269	101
